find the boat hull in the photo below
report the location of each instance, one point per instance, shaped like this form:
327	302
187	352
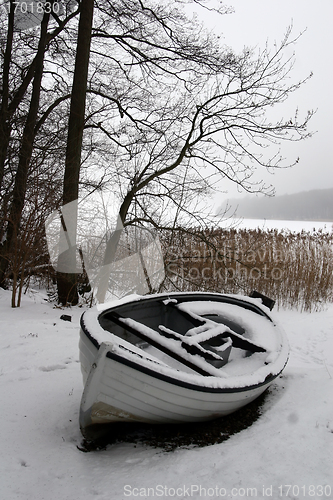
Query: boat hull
124	385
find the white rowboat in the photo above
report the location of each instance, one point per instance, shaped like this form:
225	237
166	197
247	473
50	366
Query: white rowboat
178	357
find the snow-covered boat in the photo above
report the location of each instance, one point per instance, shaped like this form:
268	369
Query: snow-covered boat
178	357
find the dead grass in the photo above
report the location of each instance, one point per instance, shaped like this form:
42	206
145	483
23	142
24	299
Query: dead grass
294	269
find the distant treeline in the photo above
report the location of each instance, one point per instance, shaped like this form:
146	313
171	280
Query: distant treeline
307	205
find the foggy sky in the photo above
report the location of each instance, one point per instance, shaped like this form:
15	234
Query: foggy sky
257	21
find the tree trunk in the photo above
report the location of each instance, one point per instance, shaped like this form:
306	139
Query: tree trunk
25	154
67	282
4	125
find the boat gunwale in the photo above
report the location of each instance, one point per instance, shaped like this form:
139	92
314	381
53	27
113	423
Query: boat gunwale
168	378
184	384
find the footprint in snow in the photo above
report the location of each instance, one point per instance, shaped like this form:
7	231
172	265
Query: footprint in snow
52	368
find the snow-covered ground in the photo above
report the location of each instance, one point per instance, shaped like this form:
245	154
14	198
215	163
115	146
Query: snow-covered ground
287	453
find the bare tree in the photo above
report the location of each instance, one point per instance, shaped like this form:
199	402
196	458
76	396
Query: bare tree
67	289
26	149
169	112
220	130
23	64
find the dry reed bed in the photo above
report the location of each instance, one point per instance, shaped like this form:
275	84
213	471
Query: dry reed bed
295	269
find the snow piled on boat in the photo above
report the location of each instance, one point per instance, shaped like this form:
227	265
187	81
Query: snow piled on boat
287	453
239	372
